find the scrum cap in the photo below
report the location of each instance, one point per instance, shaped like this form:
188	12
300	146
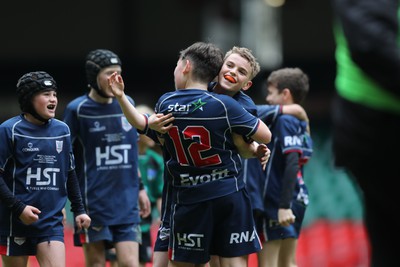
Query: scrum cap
30	84
97	60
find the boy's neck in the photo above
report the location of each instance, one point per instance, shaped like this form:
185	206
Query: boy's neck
98	98
196	85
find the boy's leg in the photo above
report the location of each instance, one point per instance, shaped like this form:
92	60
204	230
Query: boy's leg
94	253
127	253
51	253
14	261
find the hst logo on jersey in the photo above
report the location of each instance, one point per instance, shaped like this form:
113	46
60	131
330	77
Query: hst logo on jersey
188	108
242	237
39	178
188	180
112	155
292	141
190	240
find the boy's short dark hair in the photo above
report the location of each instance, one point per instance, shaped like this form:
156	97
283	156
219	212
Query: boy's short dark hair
207	60
293	79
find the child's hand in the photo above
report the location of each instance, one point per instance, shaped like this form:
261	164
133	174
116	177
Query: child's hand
29	215
286	217
263	153
64	212
82	221
116	84
160	122
144	204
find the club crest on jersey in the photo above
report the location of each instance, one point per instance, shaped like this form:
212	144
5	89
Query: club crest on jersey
19	240
125	124
59	146
188	108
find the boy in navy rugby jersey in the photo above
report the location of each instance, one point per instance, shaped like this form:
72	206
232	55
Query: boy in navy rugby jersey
204	162
234	79
105	148
241	65
285	193
36	177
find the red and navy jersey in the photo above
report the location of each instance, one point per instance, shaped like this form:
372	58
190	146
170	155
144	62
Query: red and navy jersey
204	162
35	160
105	148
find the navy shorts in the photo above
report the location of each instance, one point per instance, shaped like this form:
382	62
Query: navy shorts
162	241
110	234
270	229
222	226
23	246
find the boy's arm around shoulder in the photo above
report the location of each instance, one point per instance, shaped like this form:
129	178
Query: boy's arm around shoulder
298	111
262	134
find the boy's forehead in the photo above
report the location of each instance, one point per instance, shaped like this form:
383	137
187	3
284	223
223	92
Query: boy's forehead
238	60
111	69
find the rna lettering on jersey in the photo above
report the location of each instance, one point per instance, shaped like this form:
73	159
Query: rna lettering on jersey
189	240
188	180
292	141
112	155
47	177
243	237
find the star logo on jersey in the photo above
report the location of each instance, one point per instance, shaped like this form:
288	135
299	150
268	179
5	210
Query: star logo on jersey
198	105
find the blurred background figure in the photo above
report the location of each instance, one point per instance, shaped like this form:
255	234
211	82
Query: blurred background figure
366	113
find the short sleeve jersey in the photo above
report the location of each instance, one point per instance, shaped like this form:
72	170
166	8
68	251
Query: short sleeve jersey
35	160
289	135
204	162
105	148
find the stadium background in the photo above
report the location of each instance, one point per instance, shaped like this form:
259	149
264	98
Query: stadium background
56	36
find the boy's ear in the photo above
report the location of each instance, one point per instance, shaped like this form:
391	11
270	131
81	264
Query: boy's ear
188	66
247	85
287	94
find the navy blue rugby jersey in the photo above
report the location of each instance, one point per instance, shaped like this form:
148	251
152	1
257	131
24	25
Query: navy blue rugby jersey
246	102
105	149
289	135
268	113
254	176
204	162
36	160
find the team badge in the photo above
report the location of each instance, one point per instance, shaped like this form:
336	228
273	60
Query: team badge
125	124
59	146
19	240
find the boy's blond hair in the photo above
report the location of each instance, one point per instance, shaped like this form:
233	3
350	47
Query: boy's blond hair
248	55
